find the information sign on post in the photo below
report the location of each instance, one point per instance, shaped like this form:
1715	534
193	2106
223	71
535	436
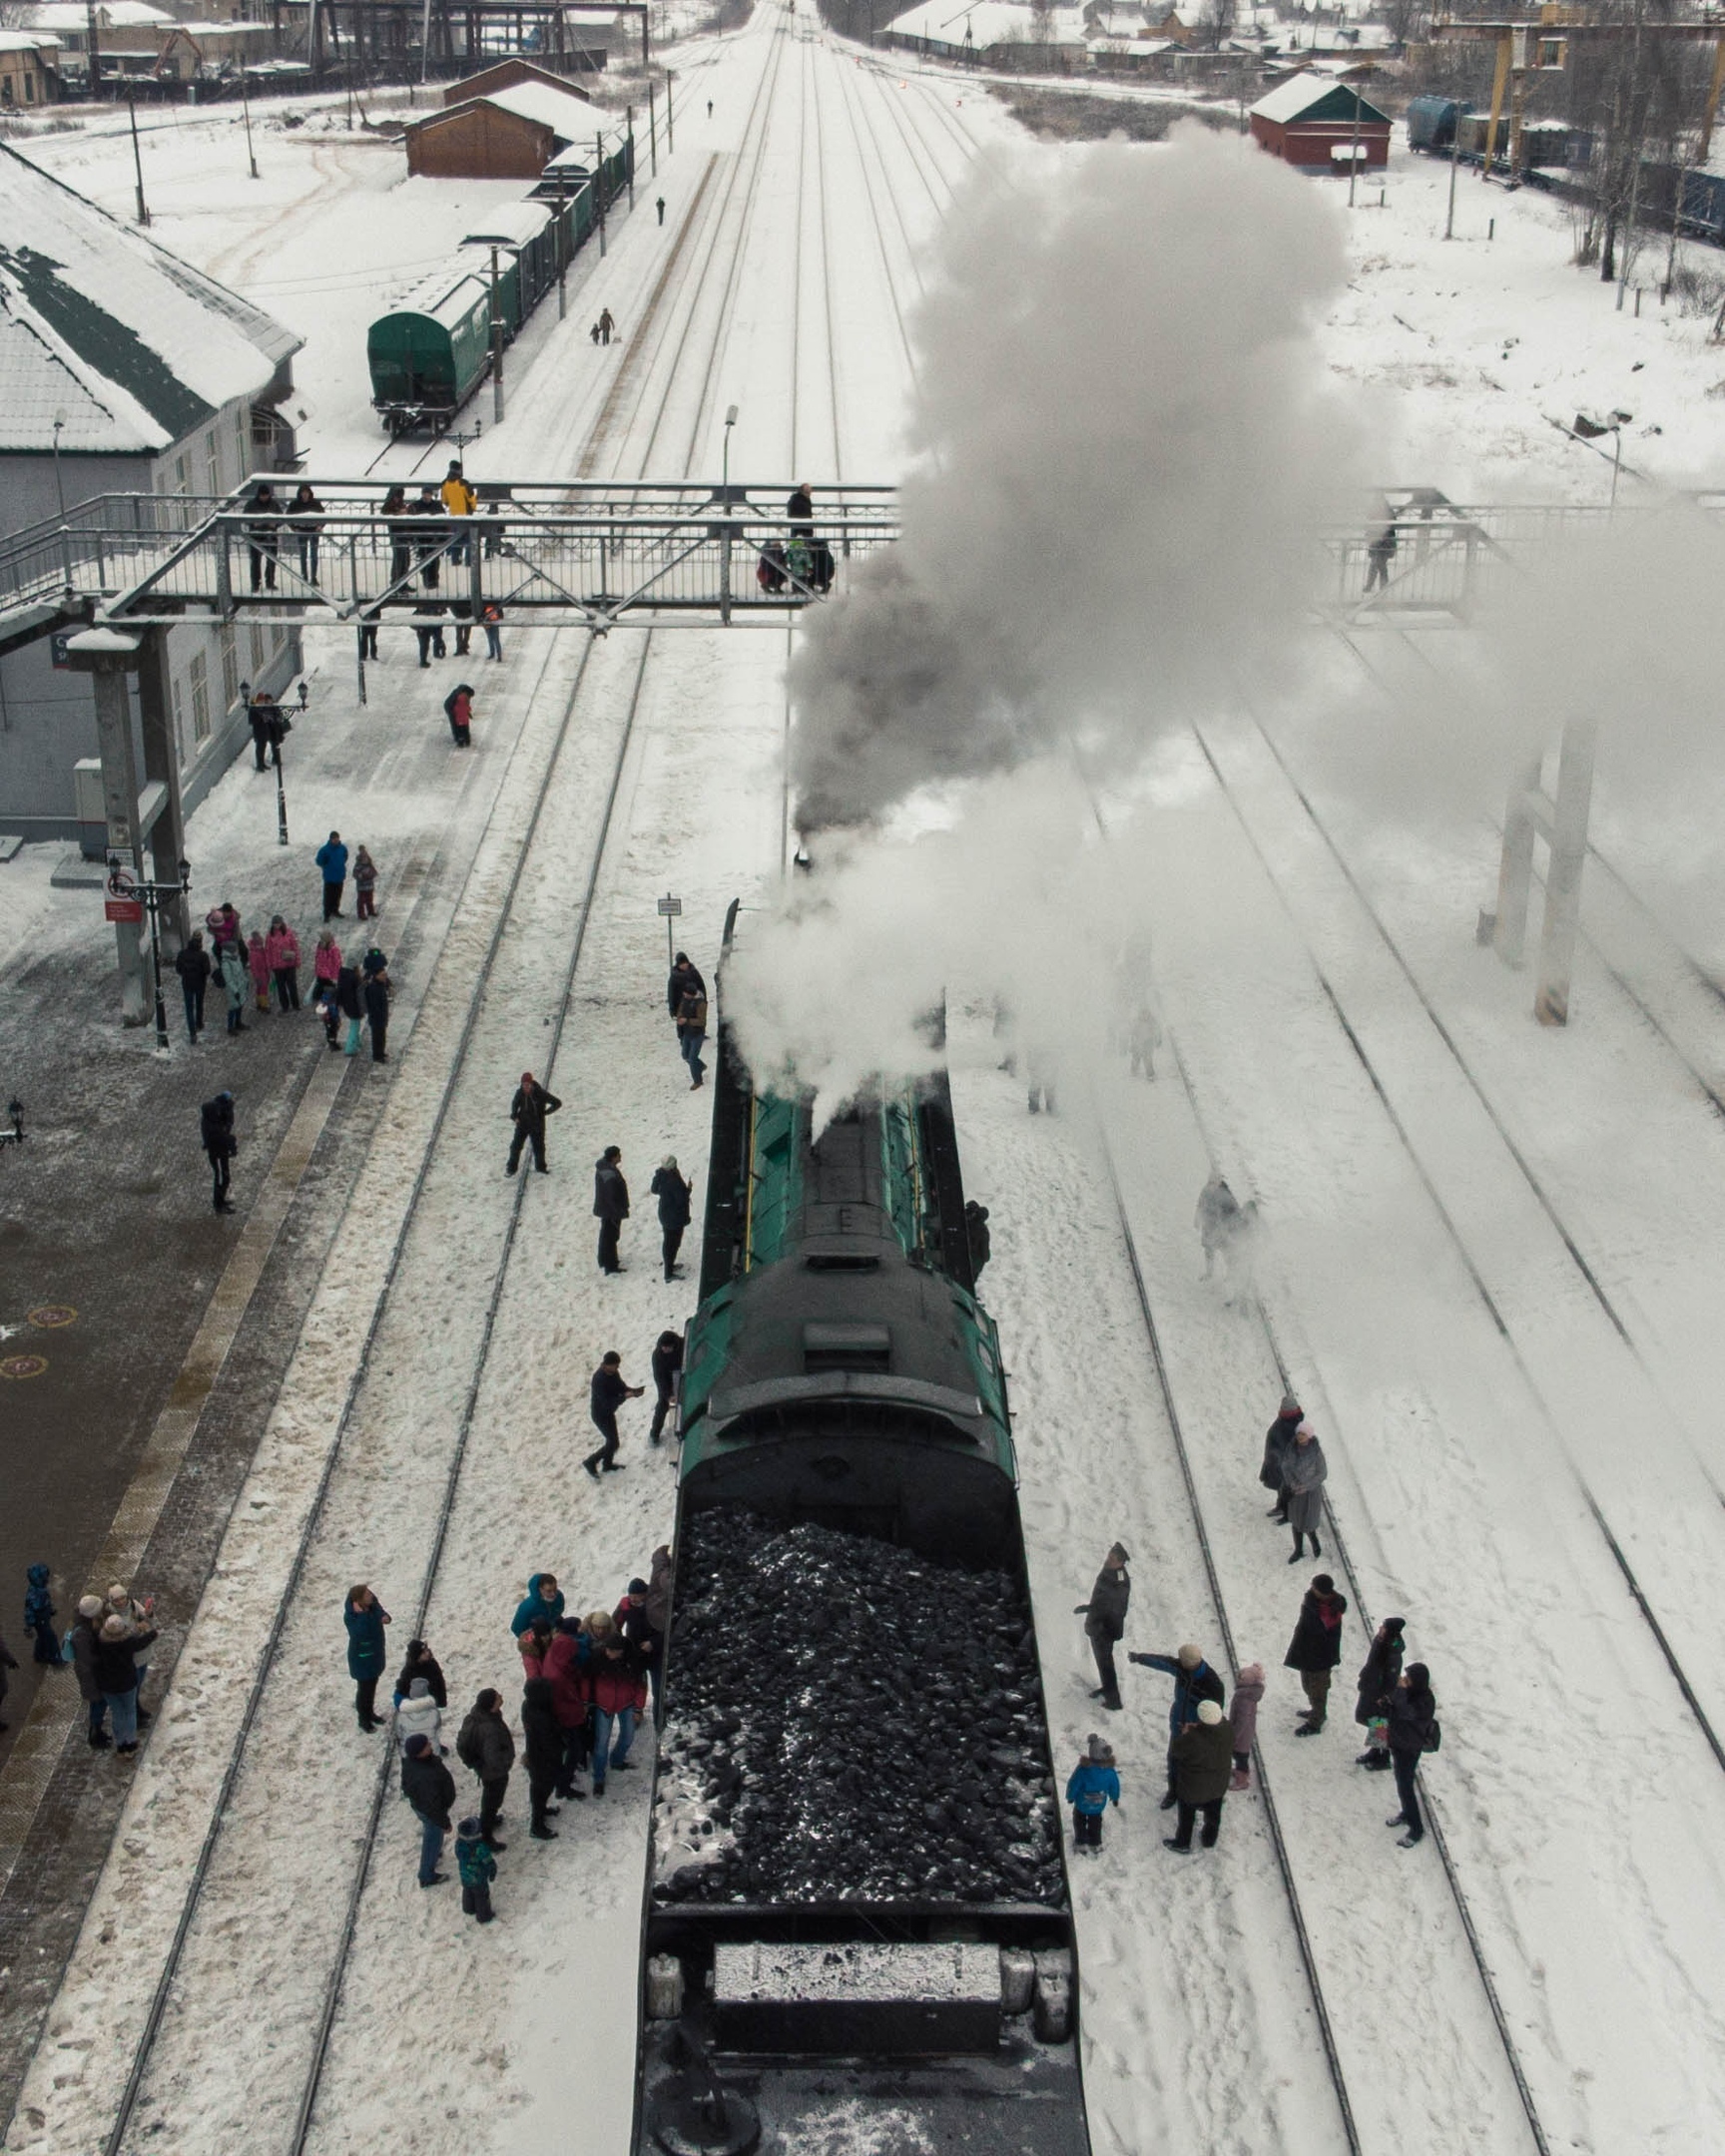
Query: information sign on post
671	908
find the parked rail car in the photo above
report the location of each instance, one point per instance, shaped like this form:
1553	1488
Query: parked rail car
430	354
842	1390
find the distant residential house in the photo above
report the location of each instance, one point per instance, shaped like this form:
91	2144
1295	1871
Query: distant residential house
511	132
29	69
1316	124
122	370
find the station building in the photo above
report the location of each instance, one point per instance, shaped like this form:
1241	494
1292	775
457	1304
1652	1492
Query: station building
124	370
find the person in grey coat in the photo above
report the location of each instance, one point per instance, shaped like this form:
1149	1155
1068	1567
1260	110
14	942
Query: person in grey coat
1277	1443
1302	1476
1104	1618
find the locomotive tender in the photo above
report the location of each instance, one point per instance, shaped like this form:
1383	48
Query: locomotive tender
847	1466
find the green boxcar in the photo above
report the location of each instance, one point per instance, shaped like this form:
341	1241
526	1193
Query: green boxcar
429	355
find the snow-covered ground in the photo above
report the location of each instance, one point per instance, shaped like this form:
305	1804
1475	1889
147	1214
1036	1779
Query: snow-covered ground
1427	1221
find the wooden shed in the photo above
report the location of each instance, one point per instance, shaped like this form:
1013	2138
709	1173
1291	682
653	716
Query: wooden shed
504	76
1313	121
512	134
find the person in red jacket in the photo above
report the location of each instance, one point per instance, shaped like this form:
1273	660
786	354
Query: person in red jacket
618	1689
565	1664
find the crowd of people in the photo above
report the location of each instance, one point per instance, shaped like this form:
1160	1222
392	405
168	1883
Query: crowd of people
107	1648
1212	1733
259	972
586	1683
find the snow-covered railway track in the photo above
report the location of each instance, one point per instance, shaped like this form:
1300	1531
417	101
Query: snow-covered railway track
1677	1588
289	2103
1344	1562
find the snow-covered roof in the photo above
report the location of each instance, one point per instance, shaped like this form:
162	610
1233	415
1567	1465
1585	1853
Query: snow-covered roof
559	110
990	22
1299	92
96	320
110	15
28	41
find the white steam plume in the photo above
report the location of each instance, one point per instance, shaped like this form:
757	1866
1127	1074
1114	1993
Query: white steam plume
1125	437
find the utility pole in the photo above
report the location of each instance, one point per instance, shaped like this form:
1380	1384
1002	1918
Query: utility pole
93	48
1353	153
670	131
138	161
562	248
629	119
1455	155
246	110
496	343
652	129
598	184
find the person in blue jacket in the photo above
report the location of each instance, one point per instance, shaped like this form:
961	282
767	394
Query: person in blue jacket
39	1615
331	859
1092	1787
544	1598
1194	1680
366	1618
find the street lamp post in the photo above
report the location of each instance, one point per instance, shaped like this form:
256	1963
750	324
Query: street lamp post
120	884
59	488
729	422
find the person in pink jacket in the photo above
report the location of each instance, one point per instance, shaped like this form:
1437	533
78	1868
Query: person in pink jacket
1243	1720
257	958
282	947
325	971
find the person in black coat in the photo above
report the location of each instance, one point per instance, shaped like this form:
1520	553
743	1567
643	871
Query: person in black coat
609	1206
1316	1648
487	1745
684	974
527	1111
376	996
799	508
1277	1443
216	1126
1104	1618
430	1788
976	1235
544	1738
191	963
606	1394
1378	1678
1413	1731
667	1369
672	1189
421	1662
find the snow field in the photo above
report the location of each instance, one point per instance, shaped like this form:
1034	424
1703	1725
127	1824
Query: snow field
1446	1455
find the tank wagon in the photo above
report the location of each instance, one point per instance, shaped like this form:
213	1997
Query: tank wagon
856	1918
430	353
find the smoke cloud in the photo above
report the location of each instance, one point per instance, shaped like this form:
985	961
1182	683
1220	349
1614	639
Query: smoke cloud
1124	439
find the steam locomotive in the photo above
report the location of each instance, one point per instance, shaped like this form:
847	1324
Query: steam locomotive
858	1921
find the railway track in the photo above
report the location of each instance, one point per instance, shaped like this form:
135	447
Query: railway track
131	2125
1643	1599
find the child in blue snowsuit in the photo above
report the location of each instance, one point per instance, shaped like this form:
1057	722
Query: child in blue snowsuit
1093	1787
478	1868
39	1614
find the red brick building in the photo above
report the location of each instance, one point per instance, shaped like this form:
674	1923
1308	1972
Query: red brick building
1313	123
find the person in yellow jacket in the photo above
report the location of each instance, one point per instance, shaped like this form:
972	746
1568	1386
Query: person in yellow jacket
459	500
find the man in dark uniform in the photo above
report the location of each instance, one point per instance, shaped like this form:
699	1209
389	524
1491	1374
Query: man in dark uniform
667	1369
527	1111
606	1395
684	976
1104	1618
609	1206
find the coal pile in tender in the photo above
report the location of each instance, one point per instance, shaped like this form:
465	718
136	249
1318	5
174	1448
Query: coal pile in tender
845	1720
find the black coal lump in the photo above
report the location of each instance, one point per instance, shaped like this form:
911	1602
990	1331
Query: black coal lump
867	1723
